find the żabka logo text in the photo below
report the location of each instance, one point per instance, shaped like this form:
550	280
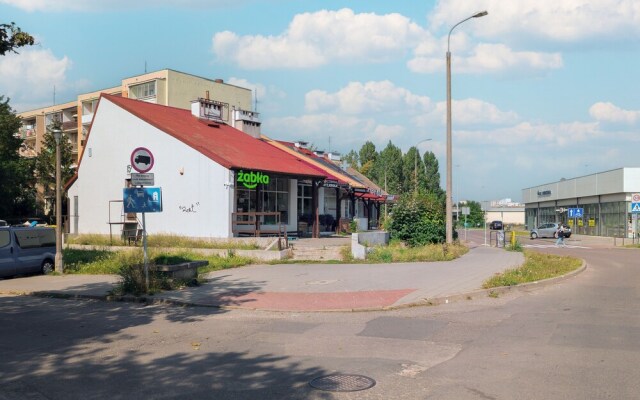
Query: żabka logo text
251	179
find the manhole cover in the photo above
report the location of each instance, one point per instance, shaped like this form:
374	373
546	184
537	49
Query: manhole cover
343	383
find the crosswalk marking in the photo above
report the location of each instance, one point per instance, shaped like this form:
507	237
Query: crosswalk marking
548	246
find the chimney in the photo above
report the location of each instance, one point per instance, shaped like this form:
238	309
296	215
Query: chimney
246	121
208	109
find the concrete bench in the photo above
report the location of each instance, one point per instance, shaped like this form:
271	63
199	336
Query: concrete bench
187	271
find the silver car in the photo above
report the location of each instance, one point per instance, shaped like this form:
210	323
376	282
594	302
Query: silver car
549	230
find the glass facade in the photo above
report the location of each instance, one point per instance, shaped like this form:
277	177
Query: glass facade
611	219
268	197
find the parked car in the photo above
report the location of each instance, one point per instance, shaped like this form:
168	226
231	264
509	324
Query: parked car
3	222
549	230
496	225
26	250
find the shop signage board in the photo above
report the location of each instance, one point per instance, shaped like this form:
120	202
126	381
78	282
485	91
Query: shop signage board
328	183
142	200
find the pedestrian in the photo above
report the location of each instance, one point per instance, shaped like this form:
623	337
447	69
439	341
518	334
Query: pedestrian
560	235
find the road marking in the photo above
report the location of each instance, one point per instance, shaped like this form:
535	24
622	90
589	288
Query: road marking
548	246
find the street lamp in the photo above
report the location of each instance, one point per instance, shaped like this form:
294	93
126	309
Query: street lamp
415	163
449	223
57	134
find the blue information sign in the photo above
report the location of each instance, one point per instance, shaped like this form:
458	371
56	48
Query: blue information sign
575	212
635	207
142	200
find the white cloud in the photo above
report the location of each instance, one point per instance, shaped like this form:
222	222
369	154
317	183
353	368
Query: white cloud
608	112
315	39
75	5
558	21
467	112
28	78
484	58
366	98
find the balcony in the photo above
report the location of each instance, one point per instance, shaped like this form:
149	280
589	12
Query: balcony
26	133
70	126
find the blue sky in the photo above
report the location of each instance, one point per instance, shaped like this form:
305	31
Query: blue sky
542	90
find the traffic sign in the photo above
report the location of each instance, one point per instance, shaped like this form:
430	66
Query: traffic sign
635	198
142	160
142	200
635	207
575	212
142	179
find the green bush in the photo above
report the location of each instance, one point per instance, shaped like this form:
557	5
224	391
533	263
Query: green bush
419	220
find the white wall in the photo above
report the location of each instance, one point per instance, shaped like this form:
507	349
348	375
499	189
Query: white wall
195	203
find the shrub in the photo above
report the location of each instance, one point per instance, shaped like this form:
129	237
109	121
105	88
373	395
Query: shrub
418	220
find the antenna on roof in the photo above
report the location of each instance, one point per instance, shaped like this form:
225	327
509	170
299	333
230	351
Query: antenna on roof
145	66
54	95
255	107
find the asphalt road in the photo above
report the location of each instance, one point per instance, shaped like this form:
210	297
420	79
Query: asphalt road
577	339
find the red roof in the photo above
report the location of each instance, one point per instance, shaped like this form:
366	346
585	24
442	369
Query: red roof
227	146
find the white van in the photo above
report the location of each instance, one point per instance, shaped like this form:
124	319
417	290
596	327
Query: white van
25	250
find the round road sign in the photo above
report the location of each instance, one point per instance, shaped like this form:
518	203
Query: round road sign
142	160
635	198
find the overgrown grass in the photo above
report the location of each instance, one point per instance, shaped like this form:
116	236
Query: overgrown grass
537	266
164	241
398	252
110	262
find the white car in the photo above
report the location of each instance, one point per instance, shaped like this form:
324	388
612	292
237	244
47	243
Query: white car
549	230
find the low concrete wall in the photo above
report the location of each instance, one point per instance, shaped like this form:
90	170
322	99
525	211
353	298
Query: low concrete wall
362	241
263	255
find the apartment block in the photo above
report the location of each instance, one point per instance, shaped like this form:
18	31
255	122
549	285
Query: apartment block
165	87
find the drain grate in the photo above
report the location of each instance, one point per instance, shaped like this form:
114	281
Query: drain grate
343	383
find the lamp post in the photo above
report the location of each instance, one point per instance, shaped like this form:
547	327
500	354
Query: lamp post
57	134
415	163
449	223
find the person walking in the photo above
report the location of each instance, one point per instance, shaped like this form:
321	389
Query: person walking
560	235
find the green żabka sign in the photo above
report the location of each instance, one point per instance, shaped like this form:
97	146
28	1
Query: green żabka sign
251	179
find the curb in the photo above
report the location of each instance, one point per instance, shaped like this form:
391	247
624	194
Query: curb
497	290
435	301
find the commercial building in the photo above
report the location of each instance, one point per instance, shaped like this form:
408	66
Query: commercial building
607	203
216	180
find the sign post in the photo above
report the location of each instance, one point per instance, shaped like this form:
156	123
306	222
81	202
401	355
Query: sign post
142	199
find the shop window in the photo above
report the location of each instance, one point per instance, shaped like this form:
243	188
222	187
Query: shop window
246	202
305	200
275	198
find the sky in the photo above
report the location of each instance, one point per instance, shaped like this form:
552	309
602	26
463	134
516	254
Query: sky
541	90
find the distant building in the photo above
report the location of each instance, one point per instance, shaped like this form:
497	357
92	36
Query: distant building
166	87
609	203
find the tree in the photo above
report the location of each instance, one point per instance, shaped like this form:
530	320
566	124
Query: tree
368	153
387	169
17	193
432	175
11	37
351	158
45	165
476	215
413	171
